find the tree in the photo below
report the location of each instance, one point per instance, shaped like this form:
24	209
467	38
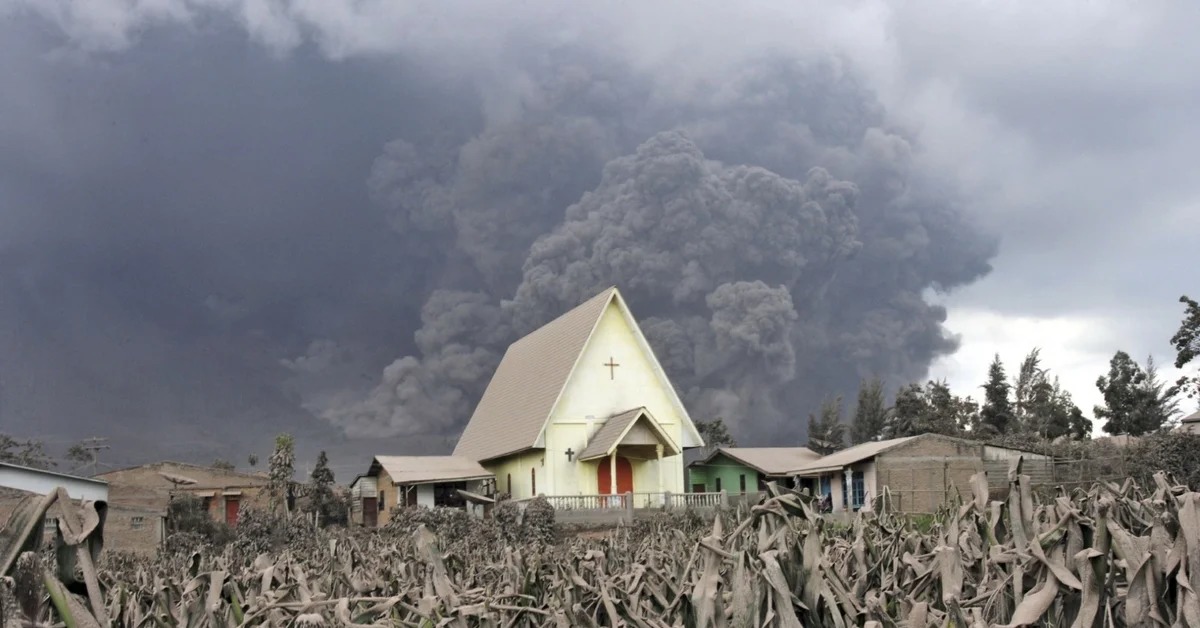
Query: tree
715	434
1030	381
870	413
827	433
1187	346
996	415
1135	402
27	453
79	455
322	500
945	413
282	468
908	412
222	464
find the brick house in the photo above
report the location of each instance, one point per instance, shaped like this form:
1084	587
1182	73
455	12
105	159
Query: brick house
139	496
921	473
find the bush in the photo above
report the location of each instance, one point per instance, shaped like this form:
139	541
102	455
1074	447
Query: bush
260	531
538	526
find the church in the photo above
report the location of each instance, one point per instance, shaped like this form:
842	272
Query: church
581	406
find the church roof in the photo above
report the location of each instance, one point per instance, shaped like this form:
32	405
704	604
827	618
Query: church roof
522	393
615	429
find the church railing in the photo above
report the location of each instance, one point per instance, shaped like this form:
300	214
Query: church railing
588	502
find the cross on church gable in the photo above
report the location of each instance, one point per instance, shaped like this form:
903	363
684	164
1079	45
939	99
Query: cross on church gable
612	366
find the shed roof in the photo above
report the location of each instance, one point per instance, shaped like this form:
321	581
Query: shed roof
1191	418
610	435
851	455
766	460
428	469
65	476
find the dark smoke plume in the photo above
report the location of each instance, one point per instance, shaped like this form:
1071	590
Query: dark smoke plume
204	243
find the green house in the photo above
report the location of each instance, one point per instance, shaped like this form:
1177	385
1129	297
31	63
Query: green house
745	469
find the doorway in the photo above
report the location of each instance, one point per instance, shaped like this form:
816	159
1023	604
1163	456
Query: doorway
624	477
232	504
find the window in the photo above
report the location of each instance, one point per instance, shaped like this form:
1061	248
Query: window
854	494
382	506
826	486
742	483
718	485
207	504
533	482
135	522
447	494
509	485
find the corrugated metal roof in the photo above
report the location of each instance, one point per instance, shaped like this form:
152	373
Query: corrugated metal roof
767	460
1191	418
848	456
427	469
616	427
519	399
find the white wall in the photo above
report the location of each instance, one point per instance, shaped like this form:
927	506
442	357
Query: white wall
590	391
44	483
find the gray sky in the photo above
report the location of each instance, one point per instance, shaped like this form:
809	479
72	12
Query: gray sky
1065	130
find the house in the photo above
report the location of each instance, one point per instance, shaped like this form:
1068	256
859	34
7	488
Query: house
581	406
920	473
746	469
1190	424
147	490
410	481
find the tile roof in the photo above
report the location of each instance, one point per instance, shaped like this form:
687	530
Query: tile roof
429	469
616	427
767	460
848	456
522	393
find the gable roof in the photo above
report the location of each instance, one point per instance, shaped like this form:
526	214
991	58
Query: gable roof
428	469
616	427
261	476
857	453
765	460
527	384
1191	418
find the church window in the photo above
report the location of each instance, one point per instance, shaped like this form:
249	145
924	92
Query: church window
533	482
718	485
742	483
510	485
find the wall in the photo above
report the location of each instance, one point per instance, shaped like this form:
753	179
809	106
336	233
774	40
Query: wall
923	472
591	391
519	466
391	497
730	473
45	482
133	530
144	486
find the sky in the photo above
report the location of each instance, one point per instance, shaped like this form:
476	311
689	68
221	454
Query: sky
239	208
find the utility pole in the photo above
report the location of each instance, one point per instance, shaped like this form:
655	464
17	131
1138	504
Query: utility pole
94	446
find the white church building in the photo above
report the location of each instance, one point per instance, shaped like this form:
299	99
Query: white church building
581	407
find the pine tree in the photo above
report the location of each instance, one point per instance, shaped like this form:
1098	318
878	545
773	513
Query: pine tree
909	410
1187	346
715	434
996	415
1030	381
870	413
322	501
827	433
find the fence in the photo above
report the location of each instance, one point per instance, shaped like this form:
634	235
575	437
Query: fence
638	501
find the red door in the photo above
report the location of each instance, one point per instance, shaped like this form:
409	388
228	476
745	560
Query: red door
231	510
624	477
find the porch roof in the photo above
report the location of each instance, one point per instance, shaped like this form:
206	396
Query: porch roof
428	469
858	453
617	430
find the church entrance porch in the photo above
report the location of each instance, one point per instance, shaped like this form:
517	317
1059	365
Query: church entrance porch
605	483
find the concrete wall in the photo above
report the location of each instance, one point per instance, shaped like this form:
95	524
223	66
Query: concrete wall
45	482
591	391
922	473
730	473
519	468
132	530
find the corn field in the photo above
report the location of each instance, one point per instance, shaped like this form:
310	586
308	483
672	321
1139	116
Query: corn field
1113	555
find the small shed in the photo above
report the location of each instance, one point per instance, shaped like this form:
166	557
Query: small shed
745	469
429	481
1190	424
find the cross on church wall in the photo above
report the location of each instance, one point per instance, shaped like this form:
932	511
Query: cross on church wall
612	366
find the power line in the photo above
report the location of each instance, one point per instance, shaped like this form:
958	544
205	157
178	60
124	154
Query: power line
94	446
